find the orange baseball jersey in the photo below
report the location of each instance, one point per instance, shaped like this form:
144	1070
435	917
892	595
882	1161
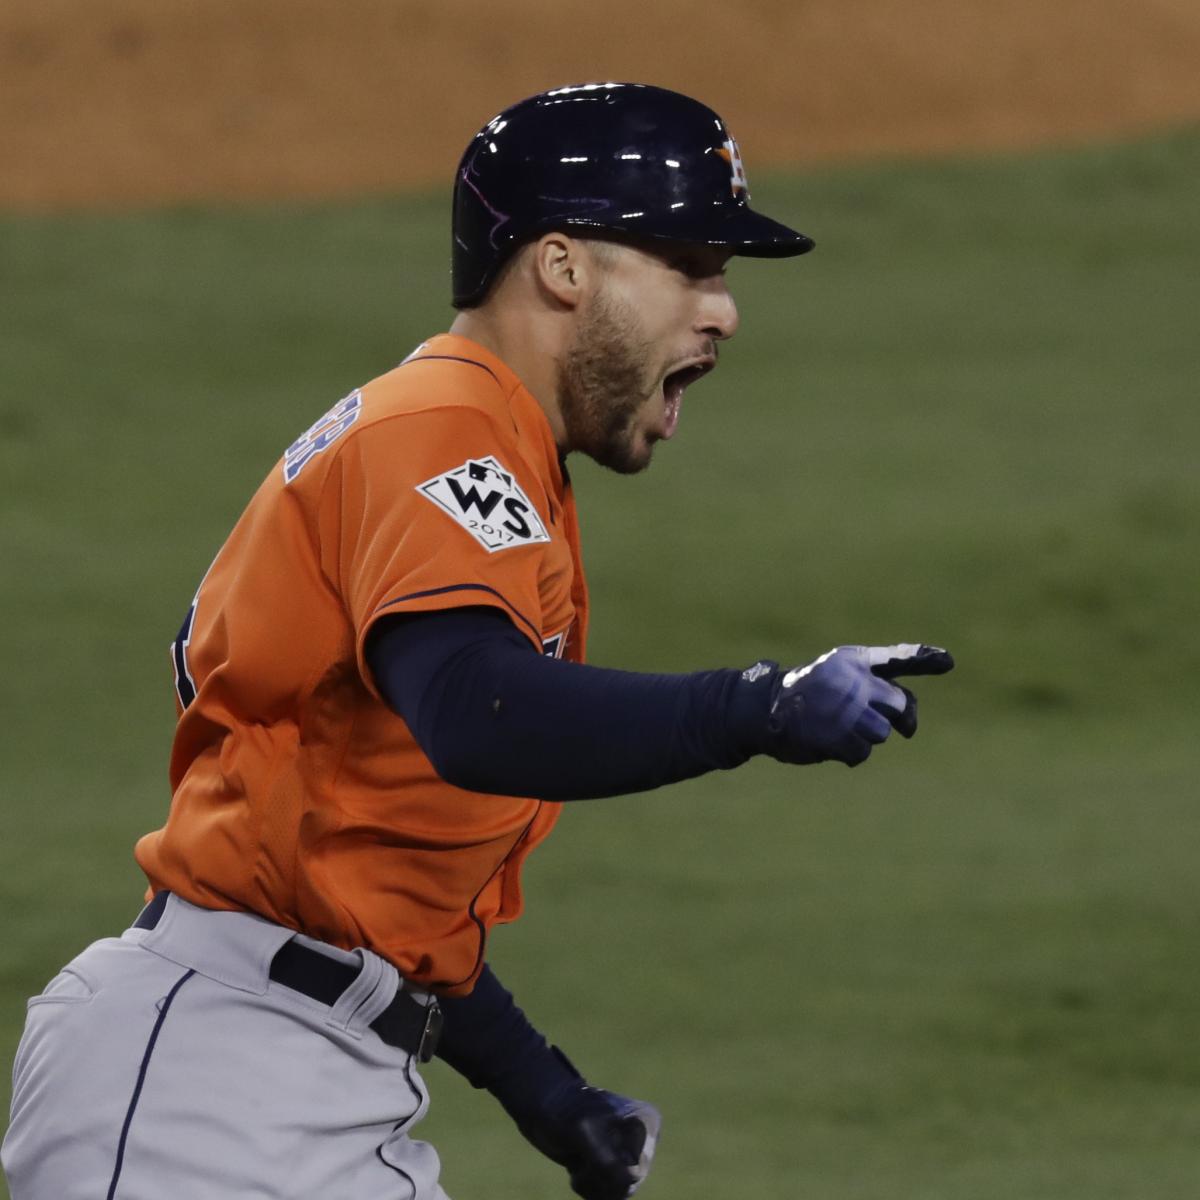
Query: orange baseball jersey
297	793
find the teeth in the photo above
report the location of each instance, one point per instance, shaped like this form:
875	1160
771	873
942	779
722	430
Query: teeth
671	415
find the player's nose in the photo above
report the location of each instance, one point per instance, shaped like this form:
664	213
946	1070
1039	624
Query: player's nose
718	314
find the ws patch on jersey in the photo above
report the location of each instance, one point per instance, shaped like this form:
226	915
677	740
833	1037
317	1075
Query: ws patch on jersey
488	503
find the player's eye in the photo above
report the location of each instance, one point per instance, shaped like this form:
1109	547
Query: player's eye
697	266
689	265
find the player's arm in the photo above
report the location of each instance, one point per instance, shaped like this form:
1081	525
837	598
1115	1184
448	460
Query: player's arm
493	715
605	1141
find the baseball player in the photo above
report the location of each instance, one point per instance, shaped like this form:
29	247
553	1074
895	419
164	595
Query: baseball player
383	704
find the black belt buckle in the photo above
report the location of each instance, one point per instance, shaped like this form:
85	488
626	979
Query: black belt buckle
427	1046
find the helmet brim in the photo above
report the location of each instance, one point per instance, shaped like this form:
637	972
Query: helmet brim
755	236
741	230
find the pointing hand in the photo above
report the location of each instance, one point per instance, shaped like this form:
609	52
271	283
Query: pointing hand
843	703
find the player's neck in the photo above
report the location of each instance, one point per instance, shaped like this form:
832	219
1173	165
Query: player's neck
528	347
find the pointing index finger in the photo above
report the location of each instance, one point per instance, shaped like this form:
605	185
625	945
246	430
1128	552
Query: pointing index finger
888	662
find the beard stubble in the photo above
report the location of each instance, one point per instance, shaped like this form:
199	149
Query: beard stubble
604	380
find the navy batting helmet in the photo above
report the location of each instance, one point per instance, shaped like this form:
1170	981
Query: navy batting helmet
616	157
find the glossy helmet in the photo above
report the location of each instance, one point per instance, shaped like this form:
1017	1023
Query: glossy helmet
619	157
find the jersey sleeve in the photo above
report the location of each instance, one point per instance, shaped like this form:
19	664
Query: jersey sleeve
434	510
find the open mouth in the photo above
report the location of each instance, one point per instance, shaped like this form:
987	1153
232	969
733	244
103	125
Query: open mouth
675	384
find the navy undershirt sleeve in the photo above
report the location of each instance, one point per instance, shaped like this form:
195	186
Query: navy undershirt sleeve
493	715
487	1039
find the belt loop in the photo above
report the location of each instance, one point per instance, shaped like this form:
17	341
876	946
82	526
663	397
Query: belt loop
371	992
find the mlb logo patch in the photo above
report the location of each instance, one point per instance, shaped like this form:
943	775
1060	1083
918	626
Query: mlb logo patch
487	501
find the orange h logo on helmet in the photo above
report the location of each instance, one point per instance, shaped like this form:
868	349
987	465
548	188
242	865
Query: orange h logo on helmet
739	185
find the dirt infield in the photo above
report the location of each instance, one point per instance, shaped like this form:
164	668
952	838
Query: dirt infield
138	101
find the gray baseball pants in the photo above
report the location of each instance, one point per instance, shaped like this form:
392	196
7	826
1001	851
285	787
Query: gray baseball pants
166	1062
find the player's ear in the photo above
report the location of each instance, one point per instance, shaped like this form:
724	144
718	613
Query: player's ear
562	267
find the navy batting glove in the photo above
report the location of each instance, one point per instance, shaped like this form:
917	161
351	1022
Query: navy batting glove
842	704
605	1141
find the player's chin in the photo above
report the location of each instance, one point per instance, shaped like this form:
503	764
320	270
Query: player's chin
628	454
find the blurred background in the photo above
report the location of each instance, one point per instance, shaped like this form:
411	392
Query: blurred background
967	969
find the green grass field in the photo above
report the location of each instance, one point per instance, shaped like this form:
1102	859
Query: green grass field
967	971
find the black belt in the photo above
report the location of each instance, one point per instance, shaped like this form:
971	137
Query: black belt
405	1023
